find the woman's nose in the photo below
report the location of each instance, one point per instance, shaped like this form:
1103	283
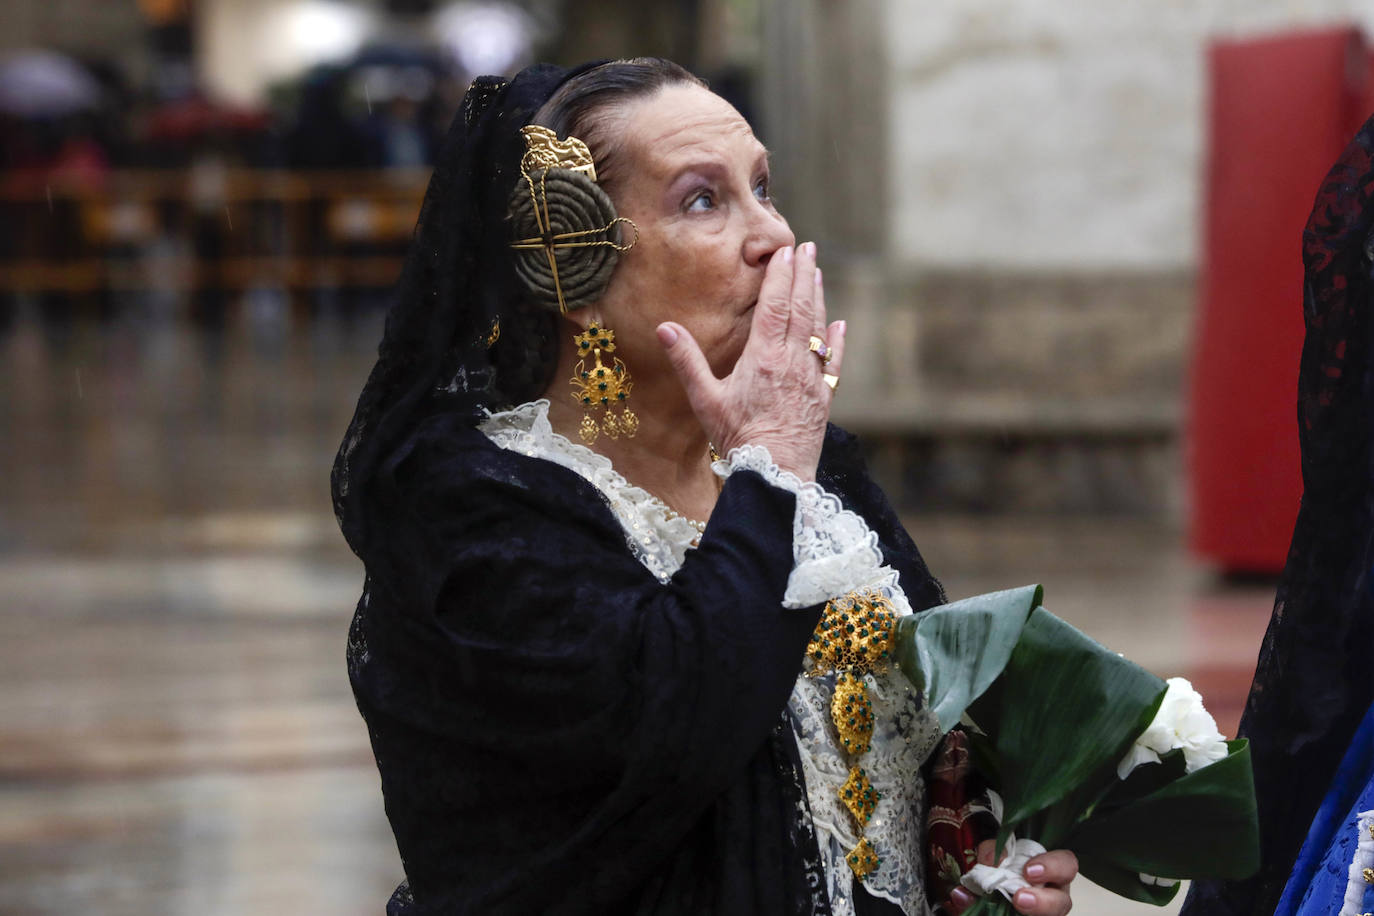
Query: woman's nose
768	233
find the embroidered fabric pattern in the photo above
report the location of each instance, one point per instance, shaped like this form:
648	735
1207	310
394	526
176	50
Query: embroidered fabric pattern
835	554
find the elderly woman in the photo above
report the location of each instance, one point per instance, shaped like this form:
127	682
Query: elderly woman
587	649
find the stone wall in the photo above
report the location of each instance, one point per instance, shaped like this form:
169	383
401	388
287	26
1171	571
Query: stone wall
1023	392
1057	135
1016	246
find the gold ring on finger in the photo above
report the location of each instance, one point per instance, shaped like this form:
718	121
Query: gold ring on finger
832	380
819	347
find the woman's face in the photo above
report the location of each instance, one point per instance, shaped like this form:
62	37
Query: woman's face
694	179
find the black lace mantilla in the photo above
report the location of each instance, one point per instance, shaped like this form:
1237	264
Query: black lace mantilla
1314	680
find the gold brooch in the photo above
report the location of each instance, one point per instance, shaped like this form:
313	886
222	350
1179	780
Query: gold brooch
855	632
853	639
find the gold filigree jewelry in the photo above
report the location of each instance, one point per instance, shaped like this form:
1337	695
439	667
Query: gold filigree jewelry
1368	875
568	165
852	640
859	796
855	634
819	347
832	380
852	713
863	859
495	334
543	150
601	387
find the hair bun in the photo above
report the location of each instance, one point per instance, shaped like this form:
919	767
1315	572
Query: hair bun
575	204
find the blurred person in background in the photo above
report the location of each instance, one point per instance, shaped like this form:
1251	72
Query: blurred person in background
580	645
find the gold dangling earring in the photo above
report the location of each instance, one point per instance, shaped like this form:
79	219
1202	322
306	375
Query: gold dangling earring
603	387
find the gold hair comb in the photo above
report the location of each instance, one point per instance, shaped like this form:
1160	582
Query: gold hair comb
543	150
587	216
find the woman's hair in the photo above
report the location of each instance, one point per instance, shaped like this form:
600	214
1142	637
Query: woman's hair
581	106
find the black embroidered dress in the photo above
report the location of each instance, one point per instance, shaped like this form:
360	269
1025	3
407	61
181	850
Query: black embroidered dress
558	728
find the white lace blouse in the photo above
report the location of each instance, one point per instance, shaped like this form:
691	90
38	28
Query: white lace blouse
835	554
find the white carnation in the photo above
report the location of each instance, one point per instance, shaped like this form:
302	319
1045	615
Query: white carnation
1181	722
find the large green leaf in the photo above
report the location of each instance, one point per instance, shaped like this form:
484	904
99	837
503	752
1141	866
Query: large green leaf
952	653
1201	825
1144	780
1064	709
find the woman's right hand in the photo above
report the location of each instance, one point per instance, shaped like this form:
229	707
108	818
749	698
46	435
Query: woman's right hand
775	396
1049	874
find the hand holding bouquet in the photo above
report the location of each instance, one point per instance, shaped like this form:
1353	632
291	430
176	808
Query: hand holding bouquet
1090	752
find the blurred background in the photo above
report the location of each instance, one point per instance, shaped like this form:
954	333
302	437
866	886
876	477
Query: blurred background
1065	237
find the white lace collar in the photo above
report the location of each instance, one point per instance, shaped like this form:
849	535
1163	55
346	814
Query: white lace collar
658	536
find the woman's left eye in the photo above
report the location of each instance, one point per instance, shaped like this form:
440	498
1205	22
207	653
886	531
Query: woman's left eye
702	202
761	190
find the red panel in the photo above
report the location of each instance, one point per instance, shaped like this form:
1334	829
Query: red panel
1281	111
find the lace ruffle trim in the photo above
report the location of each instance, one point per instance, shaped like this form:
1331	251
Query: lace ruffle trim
832	547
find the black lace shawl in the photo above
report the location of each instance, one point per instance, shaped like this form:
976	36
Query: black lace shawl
1314	681
559	732
440	349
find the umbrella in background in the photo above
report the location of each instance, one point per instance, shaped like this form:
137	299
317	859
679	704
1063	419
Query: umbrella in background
35	84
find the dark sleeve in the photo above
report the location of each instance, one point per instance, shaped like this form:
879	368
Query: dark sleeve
536	696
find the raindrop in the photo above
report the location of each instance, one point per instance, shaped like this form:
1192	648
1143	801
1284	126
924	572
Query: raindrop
227	218
48	188
80	393
368	96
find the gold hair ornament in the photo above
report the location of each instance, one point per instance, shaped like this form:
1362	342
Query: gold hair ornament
602	387
543	150
545	153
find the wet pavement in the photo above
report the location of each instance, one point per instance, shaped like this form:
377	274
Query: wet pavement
176	730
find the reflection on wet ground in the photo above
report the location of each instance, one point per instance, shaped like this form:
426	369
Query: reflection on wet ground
176	730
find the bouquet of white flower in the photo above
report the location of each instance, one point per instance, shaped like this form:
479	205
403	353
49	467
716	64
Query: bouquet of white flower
1088	751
